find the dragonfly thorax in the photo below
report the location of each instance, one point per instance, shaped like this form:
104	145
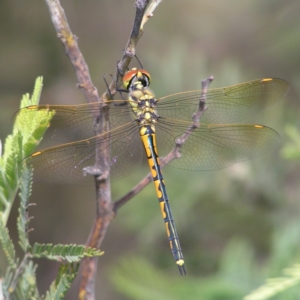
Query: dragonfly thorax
143	102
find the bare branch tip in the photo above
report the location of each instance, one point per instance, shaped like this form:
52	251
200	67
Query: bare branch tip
206	82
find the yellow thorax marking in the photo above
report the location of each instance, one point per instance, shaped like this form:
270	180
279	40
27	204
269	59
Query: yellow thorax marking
139	100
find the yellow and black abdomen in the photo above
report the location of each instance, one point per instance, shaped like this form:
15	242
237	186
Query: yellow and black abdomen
148	137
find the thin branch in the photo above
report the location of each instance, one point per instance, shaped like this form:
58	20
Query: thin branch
104	213
149	12
69	41
175	152
129	51
144	11
143	183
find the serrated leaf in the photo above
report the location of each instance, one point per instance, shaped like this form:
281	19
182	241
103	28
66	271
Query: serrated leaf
63	281
32	129
21	283
17	146
7	281
69	253
26	287
7	246
37	90
12	169
23	219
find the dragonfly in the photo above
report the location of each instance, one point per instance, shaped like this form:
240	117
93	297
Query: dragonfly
144	127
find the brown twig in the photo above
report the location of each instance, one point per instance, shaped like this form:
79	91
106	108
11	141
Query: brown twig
104	212
129	51
69	41
175	152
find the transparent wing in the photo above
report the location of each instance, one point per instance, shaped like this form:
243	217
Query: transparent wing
209	147
76	122
65	163
225	105
212	147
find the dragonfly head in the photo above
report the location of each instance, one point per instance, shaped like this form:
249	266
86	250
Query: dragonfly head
134	76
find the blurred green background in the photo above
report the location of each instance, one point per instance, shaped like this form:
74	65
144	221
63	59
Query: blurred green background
237	226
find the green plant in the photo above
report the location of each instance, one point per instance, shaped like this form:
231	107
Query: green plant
20	277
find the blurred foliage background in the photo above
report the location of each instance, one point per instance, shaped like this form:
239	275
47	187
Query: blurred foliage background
237	226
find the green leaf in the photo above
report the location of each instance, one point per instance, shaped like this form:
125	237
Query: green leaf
8	175
70	253
27	133
33	126
63	281
21	283
20	279
7	246
7	282
36	95
23	219
26	286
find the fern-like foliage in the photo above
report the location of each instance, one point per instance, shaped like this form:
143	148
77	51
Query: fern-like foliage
25	282
23	219
7	246
70	253
274	286
19	281
60	286
20	144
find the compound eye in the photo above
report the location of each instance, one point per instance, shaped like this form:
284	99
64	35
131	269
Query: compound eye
128	78
146	75
139	75
145	78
